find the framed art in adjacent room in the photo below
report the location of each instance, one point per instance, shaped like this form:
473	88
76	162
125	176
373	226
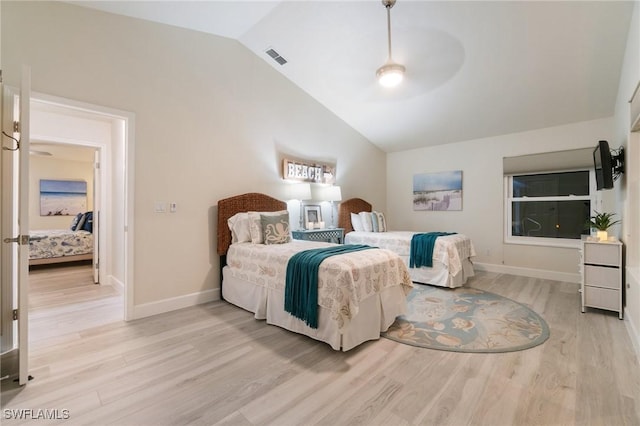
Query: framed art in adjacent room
62	197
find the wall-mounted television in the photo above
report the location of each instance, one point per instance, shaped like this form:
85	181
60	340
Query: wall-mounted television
602	165
608	167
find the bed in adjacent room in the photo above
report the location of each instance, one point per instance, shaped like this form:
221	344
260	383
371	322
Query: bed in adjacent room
450	265
63	245
359	293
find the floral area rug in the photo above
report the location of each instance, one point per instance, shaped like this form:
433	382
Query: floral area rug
467	320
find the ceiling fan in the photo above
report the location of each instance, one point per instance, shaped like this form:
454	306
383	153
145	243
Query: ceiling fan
391	73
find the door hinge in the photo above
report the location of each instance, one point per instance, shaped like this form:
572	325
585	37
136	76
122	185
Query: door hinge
15	315
97	165
16	126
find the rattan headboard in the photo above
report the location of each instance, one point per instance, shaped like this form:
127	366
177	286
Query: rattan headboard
227	207
352	205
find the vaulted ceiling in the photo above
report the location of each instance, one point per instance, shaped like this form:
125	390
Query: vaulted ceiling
473	69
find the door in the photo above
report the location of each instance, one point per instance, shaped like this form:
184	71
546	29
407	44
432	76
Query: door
15	227
96	216
8	203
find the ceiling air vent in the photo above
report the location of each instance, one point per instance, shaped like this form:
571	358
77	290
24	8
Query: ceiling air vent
276	56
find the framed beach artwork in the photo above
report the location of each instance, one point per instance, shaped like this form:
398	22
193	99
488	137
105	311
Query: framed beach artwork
438	191
62	197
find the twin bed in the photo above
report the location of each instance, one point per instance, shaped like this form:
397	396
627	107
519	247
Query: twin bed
359	293
63	245
59	245
452	265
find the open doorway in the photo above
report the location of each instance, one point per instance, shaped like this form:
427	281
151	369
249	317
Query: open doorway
103	138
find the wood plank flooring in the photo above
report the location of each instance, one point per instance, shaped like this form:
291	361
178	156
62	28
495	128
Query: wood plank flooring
215	364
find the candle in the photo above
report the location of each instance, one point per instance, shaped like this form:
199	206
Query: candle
321	225
309	225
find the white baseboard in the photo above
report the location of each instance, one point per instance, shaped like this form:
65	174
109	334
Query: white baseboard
528	272
168	305
116	283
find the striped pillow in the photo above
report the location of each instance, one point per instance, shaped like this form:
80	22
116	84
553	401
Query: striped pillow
379	222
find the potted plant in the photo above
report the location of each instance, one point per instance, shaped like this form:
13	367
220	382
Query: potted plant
602	222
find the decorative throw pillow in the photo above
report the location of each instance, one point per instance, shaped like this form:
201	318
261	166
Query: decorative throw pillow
367	225
88	222
275	229
255	225
374	222
75	221
381	222
356	222
239	227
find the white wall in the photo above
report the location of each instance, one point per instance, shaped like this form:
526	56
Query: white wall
628	195
54	168
212	120
483	203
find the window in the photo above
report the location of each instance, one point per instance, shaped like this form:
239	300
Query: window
549	208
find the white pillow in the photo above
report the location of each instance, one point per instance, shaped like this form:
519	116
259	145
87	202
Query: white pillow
367	225
255	225
239	227
356	222
382	223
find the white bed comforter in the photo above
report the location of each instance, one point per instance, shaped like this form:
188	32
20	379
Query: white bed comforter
449	250
343	281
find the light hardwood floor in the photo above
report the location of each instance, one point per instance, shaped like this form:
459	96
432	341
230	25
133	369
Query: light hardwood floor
215	364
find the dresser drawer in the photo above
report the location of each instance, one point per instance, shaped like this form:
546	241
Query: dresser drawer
602	254
601	276
603	298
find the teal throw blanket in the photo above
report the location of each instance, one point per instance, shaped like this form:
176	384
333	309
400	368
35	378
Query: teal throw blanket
422	245
301	289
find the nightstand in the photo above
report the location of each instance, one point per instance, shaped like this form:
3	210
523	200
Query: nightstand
601	267
328	235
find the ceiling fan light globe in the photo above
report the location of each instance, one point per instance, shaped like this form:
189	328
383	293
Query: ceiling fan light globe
390	75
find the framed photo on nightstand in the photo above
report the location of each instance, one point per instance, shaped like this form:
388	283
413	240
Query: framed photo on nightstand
313	214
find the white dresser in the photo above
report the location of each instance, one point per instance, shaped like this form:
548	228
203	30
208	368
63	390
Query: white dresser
601	267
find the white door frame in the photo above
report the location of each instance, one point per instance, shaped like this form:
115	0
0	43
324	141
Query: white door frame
123	131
